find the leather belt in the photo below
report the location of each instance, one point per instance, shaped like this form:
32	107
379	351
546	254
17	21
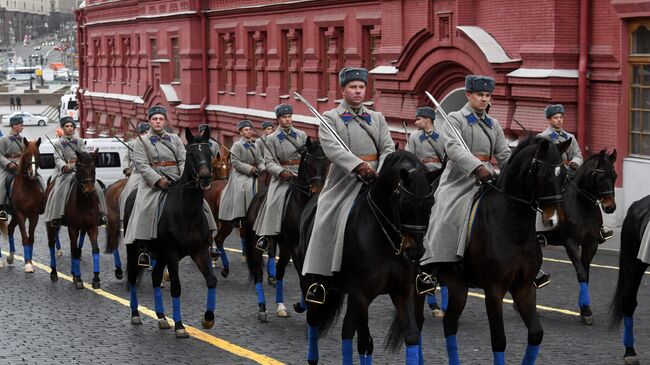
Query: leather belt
13	157
368	158
567	162
290	163
72	160
163	163
430	160
483	158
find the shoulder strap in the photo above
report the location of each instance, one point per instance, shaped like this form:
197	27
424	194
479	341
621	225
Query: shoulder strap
434	148
364	126
481	124
169	147
293	142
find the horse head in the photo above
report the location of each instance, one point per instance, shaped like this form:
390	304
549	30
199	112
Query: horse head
198	158
85	171
31	159
313	167
597	177
220	168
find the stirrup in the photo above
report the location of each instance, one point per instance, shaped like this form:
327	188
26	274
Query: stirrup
313	290
102	220
541	240
542	281
3	216
262	244
425	284
604	234
144	260
214	253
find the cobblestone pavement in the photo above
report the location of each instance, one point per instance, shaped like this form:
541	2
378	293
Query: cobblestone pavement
51	323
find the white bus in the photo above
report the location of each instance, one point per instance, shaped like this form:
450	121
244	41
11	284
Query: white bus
21	73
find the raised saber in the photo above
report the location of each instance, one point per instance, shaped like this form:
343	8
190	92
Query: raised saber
266	145
57	151
444	115
124	143
406	132
323	123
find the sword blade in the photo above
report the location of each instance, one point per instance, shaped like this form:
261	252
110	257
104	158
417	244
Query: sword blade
323	123
451	125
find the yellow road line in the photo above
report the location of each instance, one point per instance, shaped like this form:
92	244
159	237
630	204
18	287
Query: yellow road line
194	332
540	307
592	265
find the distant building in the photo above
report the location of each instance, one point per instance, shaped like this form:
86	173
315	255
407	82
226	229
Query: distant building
32	18
238	59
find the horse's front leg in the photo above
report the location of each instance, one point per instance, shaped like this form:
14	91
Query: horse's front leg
588	253
92	235
204	263
52	233
281	268
313	332
525	298
457	289
350	322
28	247
175	289
584	302
156	280
494	306
11	228
223	231
405	304
75	257
132	255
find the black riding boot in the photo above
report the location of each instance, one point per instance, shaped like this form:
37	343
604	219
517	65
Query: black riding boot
605	234
102	220
542	280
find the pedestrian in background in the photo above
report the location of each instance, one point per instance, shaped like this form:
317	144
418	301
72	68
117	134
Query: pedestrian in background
12	102
18	103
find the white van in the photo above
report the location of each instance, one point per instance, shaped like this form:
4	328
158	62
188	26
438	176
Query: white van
68	107
109	160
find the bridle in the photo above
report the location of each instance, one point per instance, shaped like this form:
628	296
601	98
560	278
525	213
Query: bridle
307	189
591	180
195	180
81	181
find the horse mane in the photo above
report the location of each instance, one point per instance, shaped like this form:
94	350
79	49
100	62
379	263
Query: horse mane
517	153
30	150
398	158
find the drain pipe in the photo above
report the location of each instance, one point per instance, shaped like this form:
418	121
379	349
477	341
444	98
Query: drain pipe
582	75
200	11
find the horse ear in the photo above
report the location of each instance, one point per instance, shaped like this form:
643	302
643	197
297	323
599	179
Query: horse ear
38	143
308	143
25	141
189	136
612	156
404	176
564	146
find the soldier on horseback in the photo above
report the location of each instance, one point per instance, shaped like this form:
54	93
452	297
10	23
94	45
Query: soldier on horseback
267	128
11	149
247	163
366	134
130	170
427	144
65	158
281	157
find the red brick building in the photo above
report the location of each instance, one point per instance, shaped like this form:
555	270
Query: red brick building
220	61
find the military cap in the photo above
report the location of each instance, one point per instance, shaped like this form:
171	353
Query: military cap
426	112
553	109
15	120
204	127
157	109
266	124
283	109
348	74
143	127
479	83
65	120
243	124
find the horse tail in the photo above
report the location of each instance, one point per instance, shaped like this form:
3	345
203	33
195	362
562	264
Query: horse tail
330	310
395	337
631	269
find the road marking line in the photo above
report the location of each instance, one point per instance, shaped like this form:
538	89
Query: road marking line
592	265
193	331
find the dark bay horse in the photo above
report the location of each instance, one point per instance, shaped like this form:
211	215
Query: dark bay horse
630	274
502	251
80	213
310	179
26	200
579	229
220	171
182	231
383	245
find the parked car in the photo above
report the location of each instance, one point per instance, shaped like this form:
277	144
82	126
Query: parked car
28	119
37	48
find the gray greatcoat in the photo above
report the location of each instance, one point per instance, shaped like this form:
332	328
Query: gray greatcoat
133	181
269	221
572	154
64	154
427	145
446	237
11	149
259	144
242	185
325	251
644	249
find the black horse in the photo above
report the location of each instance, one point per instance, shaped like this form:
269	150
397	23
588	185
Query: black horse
182	231
502	252
309	181
383	244
579	230
630	274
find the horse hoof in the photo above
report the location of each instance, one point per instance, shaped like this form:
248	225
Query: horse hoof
298	308
225	271
282	313
182	333
438	313
2	263
29	268
263	317
10	259
163	324
59	253
631	360
96	284
119	275
166	275
162	284
136	320
79	284
586	320
243	259
271	280
54	276
207	324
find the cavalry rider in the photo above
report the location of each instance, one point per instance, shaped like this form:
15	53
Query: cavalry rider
65	158
214	148
130	171
267	129
366	134
427	144
247	165
159	158
447	233
11	149
281	158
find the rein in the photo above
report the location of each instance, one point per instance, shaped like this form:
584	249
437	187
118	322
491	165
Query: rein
596	200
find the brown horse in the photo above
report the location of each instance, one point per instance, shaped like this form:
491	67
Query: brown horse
220	172
26	200
114	225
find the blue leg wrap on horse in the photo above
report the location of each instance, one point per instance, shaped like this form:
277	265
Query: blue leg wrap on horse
499	358
444	298
76	268
153	263
116	257
279	291
134	297
259	289
176	309
303	305
628	334
412	355
57	241
421	361
365	359
96	262
346	351
583	298
212	299
270	266
431	299
531	355
452	350
28	252
82	239
224	257
52	257
312	343
12	244
158	300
